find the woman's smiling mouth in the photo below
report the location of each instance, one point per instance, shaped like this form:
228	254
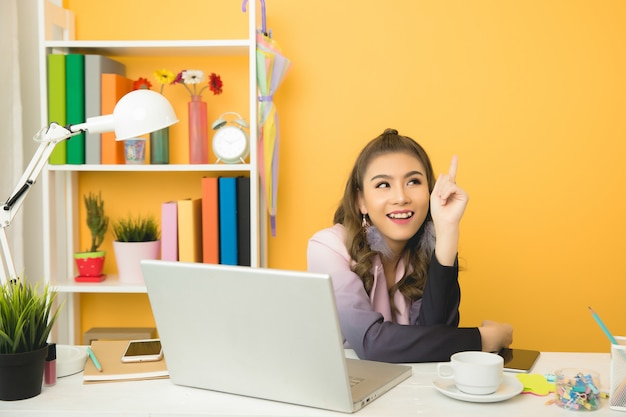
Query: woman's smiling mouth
403	215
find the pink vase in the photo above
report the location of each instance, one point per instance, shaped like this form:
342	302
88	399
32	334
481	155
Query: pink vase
198	134
128	256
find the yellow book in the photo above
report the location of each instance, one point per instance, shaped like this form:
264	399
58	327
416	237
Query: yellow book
190	230
109	354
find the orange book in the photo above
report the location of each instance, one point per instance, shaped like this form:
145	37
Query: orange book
190	230
210	221
114	87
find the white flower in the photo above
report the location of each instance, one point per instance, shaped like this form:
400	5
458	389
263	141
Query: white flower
193	76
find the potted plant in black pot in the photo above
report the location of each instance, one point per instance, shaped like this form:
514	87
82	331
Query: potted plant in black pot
26	319
135	238
90	262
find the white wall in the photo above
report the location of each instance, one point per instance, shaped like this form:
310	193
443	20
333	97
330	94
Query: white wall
31	123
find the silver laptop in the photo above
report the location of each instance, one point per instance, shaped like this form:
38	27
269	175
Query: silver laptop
261	333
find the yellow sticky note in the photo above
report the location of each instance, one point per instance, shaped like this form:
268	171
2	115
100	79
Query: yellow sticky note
536	384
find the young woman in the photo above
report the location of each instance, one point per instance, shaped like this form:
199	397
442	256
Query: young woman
392	256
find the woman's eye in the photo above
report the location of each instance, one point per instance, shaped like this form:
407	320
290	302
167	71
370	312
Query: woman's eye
382	185
414	181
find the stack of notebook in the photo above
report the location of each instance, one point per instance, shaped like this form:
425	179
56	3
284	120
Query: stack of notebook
109	353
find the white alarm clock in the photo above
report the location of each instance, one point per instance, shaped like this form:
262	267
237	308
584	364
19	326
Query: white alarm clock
231	143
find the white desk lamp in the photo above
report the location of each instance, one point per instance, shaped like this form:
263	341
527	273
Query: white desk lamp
137	113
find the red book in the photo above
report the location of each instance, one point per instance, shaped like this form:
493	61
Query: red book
114	87
210	221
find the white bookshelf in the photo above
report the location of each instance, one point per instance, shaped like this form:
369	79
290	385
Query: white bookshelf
59	182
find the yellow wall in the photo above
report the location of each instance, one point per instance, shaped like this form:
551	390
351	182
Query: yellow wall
530	95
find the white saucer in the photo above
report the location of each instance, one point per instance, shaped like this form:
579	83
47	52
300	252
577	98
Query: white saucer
510	387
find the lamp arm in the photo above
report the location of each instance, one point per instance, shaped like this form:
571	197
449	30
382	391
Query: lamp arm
48	137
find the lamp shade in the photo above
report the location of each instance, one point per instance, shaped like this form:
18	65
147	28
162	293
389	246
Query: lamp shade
140	112
137	113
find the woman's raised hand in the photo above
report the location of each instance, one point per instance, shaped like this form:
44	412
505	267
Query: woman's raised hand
448	200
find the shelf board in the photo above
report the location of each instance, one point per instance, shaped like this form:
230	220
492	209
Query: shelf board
155	48
151	168
111	284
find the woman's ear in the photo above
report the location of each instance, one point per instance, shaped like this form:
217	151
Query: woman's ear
361	202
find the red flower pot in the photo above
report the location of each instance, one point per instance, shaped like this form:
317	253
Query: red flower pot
89	266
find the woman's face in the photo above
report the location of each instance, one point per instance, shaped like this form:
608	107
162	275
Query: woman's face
395	195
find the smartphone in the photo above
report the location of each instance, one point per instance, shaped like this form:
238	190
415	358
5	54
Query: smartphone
143	351
518	360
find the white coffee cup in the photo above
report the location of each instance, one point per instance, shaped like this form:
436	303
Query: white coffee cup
476	373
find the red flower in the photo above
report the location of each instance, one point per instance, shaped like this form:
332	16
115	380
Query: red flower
215	83
142	83
179	78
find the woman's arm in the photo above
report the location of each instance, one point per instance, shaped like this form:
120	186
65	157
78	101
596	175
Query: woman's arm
447	205
364	329
442	296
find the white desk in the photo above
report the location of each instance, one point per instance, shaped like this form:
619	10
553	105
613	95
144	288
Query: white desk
413	397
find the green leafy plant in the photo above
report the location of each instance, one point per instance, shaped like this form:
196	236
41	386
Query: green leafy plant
26	316
97	221
136	229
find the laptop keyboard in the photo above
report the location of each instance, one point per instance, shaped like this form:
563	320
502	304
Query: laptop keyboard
354	380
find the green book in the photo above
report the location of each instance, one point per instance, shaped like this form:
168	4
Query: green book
56	102
75	105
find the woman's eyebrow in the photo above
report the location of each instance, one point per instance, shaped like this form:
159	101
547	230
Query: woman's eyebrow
411	173
386	176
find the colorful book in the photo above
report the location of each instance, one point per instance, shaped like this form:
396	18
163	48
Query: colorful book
56	102
95	66
243	221
228	220
75	105
210	221
190	230
169	231
114	87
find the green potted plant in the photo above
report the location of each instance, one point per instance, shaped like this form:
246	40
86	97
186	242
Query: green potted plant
91	261
26	319
135	238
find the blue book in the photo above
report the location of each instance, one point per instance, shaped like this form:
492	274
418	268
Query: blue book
228	220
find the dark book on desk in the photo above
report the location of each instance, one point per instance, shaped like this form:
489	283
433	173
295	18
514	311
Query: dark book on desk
109	354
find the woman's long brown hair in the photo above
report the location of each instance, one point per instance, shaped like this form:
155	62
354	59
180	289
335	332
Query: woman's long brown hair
349	215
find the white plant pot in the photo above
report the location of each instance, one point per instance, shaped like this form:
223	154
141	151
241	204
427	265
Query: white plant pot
128	256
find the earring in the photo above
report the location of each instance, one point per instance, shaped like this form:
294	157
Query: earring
375	239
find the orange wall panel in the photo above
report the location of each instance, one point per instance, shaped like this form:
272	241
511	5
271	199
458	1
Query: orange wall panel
530	95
